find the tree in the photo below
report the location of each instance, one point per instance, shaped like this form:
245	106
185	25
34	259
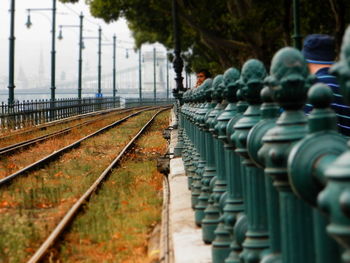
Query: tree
218	34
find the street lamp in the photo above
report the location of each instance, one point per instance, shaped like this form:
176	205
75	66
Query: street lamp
11	84
178	66
53	45
80	61
99	94
140	76
114	63
167	78
154	75
296	16
141	60
99	61
29	22
178	62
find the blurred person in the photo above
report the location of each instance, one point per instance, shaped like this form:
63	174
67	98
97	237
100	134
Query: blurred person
202	75
319	52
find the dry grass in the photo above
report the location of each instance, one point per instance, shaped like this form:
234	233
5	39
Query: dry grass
33	205
118	220
32	132
15	162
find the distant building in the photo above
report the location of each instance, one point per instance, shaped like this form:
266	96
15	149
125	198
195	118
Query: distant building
41	79
22	80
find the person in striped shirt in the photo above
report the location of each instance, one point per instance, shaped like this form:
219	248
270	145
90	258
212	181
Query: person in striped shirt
319	52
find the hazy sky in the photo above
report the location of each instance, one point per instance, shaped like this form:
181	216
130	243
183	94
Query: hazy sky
30	43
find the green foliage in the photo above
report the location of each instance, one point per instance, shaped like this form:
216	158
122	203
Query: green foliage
218	34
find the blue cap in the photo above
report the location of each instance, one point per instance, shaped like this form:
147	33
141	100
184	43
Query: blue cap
319	49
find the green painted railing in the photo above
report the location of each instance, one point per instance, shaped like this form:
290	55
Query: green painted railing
269	184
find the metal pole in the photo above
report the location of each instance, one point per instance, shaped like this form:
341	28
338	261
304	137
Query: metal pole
114	64
167	78
296	16
154	75
178	66
178	62
53	51
99	59
80	56
11	84
140	76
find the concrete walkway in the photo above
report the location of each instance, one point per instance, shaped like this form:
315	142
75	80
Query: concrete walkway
186	238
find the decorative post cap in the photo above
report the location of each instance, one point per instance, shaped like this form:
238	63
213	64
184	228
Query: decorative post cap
322	117
253	75
207	89
217	90
289	79
231	77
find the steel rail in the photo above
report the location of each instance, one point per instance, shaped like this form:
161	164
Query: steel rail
61	121
57	153
82	200
52	123
25	144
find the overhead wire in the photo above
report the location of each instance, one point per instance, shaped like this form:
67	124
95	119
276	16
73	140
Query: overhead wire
95	23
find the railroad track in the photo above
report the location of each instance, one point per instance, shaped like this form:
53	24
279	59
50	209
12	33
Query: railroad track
47	125
27	143
32	205
57	153
69	216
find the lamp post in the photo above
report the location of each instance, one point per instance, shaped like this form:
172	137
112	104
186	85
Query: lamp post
154	76
80	61
140	76
177	62
296	17
178	66
53	51
11	84
114	63
99	58
167	78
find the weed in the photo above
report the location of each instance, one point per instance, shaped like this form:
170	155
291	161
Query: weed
33	205
117	221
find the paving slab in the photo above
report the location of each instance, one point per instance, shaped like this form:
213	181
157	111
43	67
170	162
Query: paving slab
186	237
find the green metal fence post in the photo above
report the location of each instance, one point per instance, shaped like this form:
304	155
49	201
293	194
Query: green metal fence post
221	244
239	220
269	114
212	212
191	168
200	149
209	170
195	155
187	148
256	242
289	83
308	160
334	200
199	214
